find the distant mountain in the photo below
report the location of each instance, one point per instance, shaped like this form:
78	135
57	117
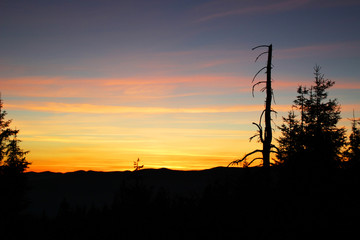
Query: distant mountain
88	188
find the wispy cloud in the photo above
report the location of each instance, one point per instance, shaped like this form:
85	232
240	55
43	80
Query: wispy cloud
338	49
108	109
334	3
221	8
292	83
134	87
239	8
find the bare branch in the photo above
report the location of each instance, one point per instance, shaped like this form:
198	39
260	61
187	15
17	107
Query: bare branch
256	135
262	114
276	126
276	162
259	47
260	134
253	87
272	110
277	149
240	160
254	160
259	126
258	73
273	96
260	55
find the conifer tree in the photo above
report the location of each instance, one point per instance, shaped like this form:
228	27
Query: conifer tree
12	157
316	139
290	143
5	132
13	163
16	159
353	152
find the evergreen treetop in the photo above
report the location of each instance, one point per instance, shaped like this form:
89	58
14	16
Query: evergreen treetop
12	157
315	139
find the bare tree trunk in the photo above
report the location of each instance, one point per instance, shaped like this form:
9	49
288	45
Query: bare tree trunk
268	130
265	137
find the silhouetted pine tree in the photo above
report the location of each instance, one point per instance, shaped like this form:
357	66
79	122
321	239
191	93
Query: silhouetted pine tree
5	133
290	143
16	160
12	157
12	180
353	152
315	139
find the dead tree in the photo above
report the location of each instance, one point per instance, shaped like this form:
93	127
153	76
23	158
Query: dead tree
137	167
265	137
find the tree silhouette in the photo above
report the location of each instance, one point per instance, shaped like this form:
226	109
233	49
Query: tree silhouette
5	132
300	102
12	157
265	137
315	138
13	163
290	143
137	167
16	160
353	152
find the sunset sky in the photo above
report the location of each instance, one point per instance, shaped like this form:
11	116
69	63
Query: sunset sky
94	85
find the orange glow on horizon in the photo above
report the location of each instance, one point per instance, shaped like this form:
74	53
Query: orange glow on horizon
160	151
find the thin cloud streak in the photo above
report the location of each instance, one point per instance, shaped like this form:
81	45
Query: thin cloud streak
259	8
136	87
294	82
145	87
107	109
336	49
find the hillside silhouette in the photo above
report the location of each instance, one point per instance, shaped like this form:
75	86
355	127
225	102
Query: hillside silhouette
219	203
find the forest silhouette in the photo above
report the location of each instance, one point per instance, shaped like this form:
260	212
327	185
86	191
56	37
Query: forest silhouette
309	190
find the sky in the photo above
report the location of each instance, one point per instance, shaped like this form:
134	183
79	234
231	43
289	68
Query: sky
95	85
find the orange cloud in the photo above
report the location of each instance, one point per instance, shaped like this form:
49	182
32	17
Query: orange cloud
142	87
108	109
136	87
347	84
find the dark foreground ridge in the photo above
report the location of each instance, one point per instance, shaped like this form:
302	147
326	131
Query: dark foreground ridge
219	203
96	189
